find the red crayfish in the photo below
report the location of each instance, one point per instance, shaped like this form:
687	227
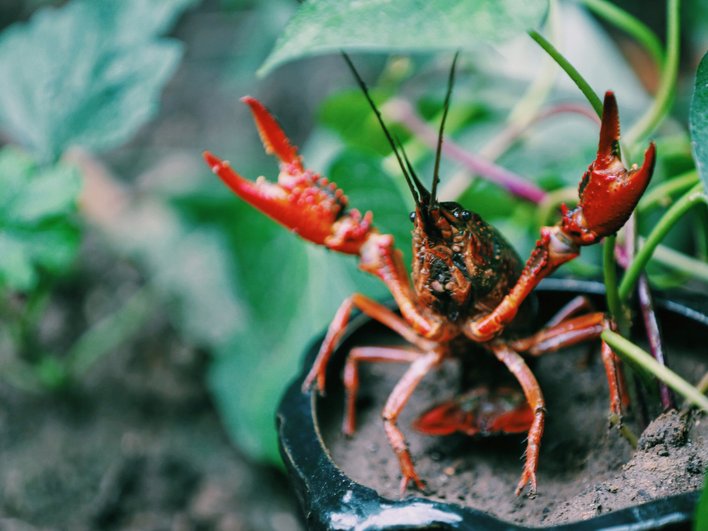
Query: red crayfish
467	281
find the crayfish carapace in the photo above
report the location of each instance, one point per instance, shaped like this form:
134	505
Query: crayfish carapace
467	281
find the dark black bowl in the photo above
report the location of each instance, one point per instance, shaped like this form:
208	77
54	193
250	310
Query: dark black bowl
331	500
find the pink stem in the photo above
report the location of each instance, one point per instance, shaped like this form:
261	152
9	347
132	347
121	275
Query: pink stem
403	112
624	255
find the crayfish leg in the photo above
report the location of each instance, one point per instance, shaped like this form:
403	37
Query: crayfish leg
351	374
336	329
572	331
517	366
397	400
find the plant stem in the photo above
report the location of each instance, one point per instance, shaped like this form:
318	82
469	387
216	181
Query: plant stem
680	262
667	84
569	69
609	273
629	24
403	112
629	350
694	196
109	332
651	326
661	194
503	140
548	208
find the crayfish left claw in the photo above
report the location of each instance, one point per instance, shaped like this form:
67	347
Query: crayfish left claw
303	201
608	191
272	136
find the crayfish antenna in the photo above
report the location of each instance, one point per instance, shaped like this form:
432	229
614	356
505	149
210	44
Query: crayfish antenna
438	150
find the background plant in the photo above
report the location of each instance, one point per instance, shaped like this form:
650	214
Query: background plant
87	75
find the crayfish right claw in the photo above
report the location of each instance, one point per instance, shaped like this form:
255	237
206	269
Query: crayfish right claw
608	191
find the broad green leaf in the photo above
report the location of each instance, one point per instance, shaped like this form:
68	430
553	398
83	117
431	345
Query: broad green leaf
348	113
699	120
36	229
87	74
323	26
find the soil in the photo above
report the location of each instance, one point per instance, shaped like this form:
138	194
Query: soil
136	444
585	468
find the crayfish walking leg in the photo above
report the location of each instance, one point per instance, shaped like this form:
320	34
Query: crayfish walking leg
351	374
517	366
395	404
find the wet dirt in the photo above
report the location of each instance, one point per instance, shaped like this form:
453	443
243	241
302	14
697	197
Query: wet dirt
585	469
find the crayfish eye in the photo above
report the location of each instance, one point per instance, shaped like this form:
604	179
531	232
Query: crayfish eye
411	216
466	215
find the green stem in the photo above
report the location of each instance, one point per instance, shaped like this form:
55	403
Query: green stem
569	69
680	262
609	273
110	332
629	350
632	26
667	85
694	196
661	194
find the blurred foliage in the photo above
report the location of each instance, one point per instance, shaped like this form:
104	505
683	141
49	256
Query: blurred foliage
87	74
322	26
38	229
699	120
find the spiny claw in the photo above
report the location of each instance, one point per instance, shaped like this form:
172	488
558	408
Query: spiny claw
608	191
303	201
272	136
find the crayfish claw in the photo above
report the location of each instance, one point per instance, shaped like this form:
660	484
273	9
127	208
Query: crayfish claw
608	149
608	191
303	201
272	135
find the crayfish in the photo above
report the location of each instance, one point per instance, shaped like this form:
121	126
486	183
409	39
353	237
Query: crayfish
467	282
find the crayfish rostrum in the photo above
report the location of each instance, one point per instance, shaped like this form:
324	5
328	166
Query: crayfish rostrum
467	281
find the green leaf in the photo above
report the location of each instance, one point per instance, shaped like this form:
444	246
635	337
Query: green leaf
699	120
87	74
36	229
323	26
